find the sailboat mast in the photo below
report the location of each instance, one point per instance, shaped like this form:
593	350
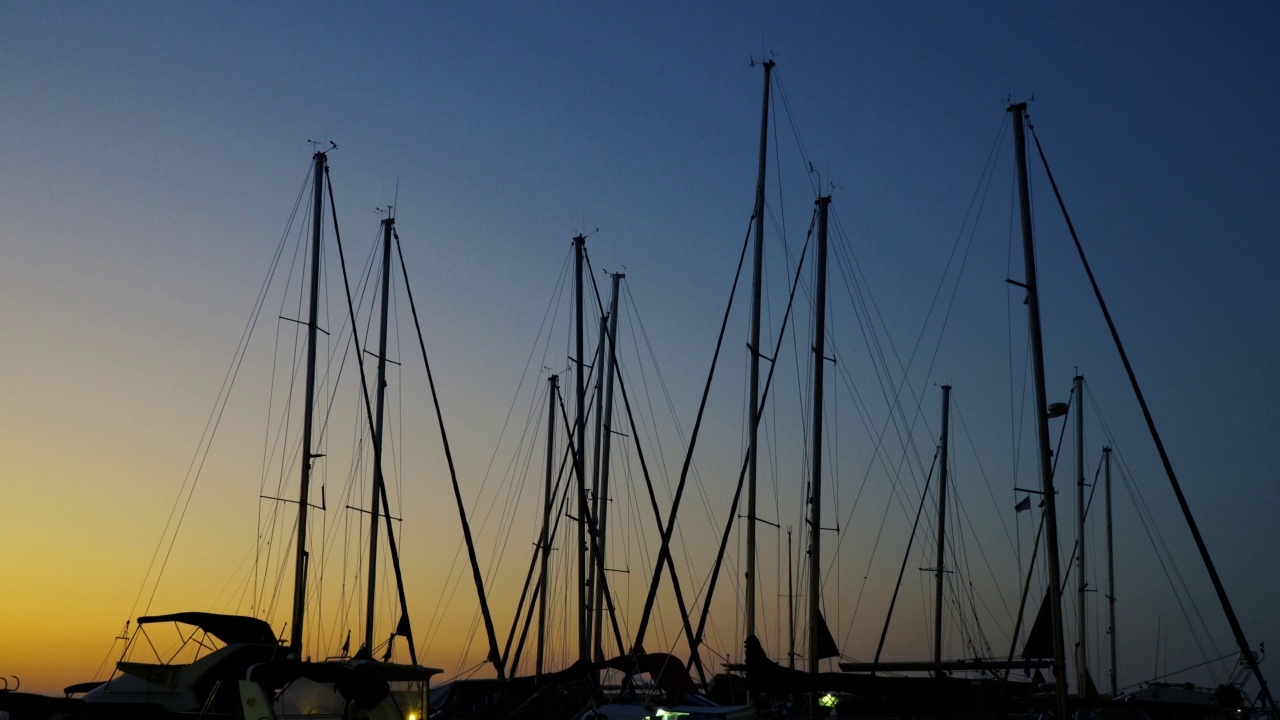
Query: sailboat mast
791	609
1111	572
1082	657
942	525
377	436
579	457
300	565
602	497
1042	411
753	408
815	476
595	584
544	542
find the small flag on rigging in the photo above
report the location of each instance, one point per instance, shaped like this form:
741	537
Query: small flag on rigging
1023	504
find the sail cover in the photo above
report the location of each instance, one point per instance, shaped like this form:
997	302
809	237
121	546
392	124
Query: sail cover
227	628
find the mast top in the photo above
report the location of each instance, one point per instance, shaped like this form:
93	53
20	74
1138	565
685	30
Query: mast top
1021	108
317	143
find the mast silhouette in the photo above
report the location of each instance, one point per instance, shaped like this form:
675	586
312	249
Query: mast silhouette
1042	411
594	583
791	608
579	456
1111	573
602	492
379	414
815	478
1082	657
753	408
300	564
544	544
942	526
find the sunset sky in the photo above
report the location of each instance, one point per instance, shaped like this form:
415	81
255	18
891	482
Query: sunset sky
151	158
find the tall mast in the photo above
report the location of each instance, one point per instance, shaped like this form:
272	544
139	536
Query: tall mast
544	544
595	584
791	609
377	435
602	498
754	401
942	526
599	423
579	456
1082	657
815	476
1111	572
1042	411
300	565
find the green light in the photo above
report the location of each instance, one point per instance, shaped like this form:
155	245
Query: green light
828	700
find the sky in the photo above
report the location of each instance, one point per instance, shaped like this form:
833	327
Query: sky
153	154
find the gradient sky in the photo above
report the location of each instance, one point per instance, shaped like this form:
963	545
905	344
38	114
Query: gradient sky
152	153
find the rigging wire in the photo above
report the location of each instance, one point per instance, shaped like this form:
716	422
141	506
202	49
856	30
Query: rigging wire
1264	693
449	588
846	261
906	555
194	470
689	455
494	655
1164	555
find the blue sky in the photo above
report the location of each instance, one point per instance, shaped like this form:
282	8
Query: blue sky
152	153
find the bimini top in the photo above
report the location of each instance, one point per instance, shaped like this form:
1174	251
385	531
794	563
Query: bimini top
227	628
